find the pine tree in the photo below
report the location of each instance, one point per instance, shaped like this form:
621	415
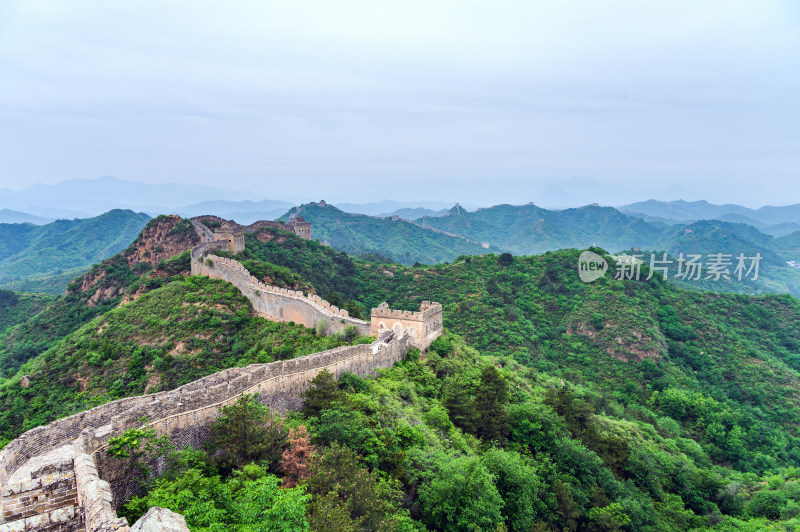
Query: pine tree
246	432
492	421
324	391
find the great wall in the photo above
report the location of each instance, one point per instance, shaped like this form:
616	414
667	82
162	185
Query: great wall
58	478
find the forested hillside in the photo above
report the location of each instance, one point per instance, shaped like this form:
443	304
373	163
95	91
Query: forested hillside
399	240
551	404
528	229
17	308
46	257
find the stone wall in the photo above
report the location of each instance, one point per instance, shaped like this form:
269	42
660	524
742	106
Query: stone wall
186	412
48	502
297	225
273	302
95	498
423	327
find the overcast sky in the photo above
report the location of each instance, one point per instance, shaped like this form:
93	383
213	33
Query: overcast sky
472	101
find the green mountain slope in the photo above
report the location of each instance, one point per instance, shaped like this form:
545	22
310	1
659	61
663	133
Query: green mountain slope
711	237
398	240
551	404
157	255
744	349
527	229
29	252
174	334
18	308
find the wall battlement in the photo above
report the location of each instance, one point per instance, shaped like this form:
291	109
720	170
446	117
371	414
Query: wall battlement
423	326
75	444
275	303
186	413
297	225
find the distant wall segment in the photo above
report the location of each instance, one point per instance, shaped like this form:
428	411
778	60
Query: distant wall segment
276	303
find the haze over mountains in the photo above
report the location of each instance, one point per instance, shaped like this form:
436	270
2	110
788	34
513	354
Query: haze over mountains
83	198
408	232
776	221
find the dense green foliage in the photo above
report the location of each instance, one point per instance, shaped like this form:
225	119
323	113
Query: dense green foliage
390	455
721	370
41	253
551	403
18	308
172	335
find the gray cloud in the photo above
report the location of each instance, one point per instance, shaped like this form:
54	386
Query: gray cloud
363	100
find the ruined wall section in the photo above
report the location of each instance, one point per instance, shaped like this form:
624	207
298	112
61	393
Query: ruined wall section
298	225
273	302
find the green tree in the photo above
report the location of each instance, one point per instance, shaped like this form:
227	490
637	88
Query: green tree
137	448
246	432
460	406
323	393
505	260
519	485
347	495
460	496
249	501
611	518
492	422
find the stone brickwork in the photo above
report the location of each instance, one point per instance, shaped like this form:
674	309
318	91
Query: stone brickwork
95	498
48	502
272	302
185	414
297	225
230	235
423	327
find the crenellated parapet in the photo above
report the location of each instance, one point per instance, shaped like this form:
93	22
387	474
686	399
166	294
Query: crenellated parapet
424	326
272	302
222	227
74	446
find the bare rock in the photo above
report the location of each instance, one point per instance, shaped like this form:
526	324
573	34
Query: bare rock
160	519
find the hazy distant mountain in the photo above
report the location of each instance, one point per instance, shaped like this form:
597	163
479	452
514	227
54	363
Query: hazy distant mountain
91	197
7	216
684	211
399	240
390	207
244	212
413	214
529	229
58	250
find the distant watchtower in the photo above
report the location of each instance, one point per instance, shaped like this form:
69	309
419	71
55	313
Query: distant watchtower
233	235
300	226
